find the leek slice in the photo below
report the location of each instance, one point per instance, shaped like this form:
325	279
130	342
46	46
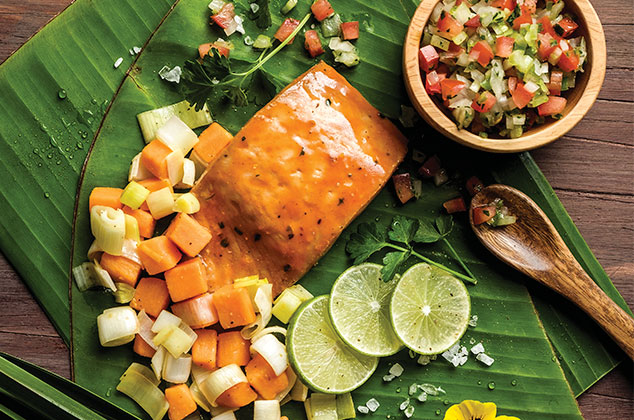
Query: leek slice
140	369
124	293
86	277
160	203
199	374
158	361
189	175
345	406
176	135
137	171
187	203
284	395
162	335
117	326
132	229
145	329
272	351
323	406
134	194
164	320
299	392
269	330
263	302
128	251
290	5
199	163
175	162
286	305
221	380
108	228
225	415
145	393
103	277
151	121
177	369
266	410
178	342
198	396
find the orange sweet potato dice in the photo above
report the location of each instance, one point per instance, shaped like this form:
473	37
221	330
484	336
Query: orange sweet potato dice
142	348
153	158
211	142
120	268
204	348
105	196
232	349
144	219
181	402
151	295
237	396
158	254
263	379
234	307
186	280
188	235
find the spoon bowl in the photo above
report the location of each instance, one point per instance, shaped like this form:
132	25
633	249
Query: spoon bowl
533	246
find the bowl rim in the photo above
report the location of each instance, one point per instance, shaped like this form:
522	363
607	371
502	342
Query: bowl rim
431	112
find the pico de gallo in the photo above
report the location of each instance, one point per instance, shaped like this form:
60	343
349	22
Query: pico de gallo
501	66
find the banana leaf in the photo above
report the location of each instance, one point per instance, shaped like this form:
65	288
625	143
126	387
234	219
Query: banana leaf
39	200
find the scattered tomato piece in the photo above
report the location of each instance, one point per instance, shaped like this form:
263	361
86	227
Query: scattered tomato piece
483	214
455	206
430	167
403	186
350	30
474	185
286	29
312	43
484	102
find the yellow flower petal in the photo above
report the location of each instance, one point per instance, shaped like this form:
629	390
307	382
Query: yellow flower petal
454	413
471	410
506	418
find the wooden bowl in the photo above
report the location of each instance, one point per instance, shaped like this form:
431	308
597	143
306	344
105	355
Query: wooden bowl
580	98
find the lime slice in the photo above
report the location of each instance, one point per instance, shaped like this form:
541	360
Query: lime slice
360	310
317	354
429	309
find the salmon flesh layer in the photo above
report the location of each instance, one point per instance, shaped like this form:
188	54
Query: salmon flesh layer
293	178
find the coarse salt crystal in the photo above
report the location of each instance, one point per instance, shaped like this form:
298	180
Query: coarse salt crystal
473	322
409	411
425	360
477	349
173	75
422	397
372	404
118	62
254	7
396	369
487	360
363	409
412	389
388	378
404	405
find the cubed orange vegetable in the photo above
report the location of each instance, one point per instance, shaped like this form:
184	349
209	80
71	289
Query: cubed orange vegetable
211	142
144	219
155	184
188	235
151	295
181	402
204	348
263	379
232	349
234	307
120	268
158	254
237	396
153	158
105	196
186	280
142	348
197	312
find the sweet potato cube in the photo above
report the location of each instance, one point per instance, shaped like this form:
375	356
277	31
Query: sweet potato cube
120	268
232	349
211	142
188	235
237	396
186	280
151	295
234	307
204	348
153	157
181	402
105	196
144	219
142	348
158	254
263	379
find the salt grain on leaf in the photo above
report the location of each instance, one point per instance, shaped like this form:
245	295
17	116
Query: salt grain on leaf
422	397
396	370
404	405
473	322
173	75
118	62
409	411
477	349
363	409
388	378
487	360
372	404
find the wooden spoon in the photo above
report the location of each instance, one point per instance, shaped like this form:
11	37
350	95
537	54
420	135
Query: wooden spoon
533	246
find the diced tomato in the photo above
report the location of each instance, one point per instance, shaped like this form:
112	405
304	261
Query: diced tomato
453	51
430	167
504	46
350	30
474	185
286	29
547	27
442	69
474	22
403	187
455	206
484	53
512	81
312	43
504	4
432	82
528	6
451	87
483	214
484	102
225	17
448	25
556	80
565	27
546	44
569	61
203	49
322	9
521	20
554	106
427	58
521	96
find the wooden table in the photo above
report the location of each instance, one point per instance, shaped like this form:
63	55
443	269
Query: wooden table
591	169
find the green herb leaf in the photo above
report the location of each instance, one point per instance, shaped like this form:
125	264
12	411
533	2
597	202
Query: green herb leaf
368	240
201	81
262	15
392	262
261	89
444	224
426	233
402	229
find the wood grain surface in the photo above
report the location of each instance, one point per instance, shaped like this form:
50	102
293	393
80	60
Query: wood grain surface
591	170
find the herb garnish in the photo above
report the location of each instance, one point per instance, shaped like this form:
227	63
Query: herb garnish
371	238
219	77
261	14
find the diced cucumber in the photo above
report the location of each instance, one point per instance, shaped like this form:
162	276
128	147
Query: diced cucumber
460	38
440	42
556	10
262	42
331	26
463	116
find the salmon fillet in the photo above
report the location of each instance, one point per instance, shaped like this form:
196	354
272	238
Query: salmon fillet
293	178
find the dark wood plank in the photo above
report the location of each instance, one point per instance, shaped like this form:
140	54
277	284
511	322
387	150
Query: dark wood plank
607	121
613	12
618	86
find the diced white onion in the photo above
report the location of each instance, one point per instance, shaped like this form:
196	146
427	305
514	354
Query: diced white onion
532	87
263	301
226	415
221	380
176	135
272	351
137	171
216	6
158	361
145	329
232	26
177	370
117	326
435	14
175	162
477	75
266	410
165	319
563	44
108	228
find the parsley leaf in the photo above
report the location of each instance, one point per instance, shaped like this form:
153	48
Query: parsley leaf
444	224
392	261
426	233
402	229
261	88
262	14
368	240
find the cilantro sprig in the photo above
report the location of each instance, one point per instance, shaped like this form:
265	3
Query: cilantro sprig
218	77
400	237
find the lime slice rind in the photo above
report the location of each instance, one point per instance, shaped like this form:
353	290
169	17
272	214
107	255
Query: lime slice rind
429	309
359	310
319	357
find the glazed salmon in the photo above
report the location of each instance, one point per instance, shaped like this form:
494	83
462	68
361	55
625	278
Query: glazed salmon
293	178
